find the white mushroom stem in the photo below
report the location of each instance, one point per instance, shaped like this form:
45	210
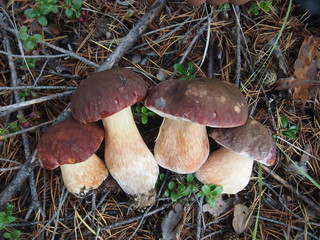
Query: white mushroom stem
181	146
127	157
226	168
80	178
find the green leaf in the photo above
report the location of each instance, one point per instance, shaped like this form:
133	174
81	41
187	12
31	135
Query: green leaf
289	134
150	113
68	3
210	201
180	69
138	108
293	128
77	4
144	119
30	13
172	185
190	68
190	178
284	121
199	194
187	191
36	38
217	191
194	189
16	233
166	193
23	35
42	21
174	196
29	44
11	219
7	235
69	13
144	110
44	10
2	225
205	189
161	176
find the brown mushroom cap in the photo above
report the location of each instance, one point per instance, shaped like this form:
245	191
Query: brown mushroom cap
205	101
68	142
234	2
196	2
105	93
252	140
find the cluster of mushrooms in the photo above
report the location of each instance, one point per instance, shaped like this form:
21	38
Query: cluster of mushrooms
182	146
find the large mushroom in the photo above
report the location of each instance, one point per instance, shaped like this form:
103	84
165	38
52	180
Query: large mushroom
231	165
108	95
72	146
188	106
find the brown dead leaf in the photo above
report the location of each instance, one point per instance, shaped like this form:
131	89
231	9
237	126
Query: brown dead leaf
242	219
172	224
305	71
220	208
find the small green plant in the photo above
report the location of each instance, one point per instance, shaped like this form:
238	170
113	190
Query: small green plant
187	186
41	10
5	219
256	7
224	6
27	63
185	73
29	41
73	9
142	113
287	129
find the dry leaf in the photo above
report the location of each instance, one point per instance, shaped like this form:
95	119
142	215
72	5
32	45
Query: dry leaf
172	224
220	208
305	71
242	219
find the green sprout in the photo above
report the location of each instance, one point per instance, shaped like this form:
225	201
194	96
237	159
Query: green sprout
73	8
188	186
185	73
142	113
29	41
288	130
41	10
256	7
5	219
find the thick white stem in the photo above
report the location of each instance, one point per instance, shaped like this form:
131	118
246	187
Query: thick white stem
181	146
127	157
227	168
82	177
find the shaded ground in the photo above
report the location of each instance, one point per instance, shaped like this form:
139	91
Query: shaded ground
210	39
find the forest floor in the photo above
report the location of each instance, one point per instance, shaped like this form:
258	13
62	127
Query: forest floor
256	52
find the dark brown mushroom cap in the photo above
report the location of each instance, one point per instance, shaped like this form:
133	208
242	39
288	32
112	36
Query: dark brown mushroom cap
206	101
68	142
252	140
106	93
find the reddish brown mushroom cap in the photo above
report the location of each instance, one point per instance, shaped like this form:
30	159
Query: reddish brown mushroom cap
252	140
68	142
205	101
106	93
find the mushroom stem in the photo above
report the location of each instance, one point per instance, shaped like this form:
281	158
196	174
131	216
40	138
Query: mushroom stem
127	157
181	146
80	178
226	168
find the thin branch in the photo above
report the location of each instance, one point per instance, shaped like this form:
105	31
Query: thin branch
34	56
5	109
36	88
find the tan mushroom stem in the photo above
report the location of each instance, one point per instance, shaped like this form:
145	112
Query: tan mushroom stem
80	178
226	168
181	146
127	157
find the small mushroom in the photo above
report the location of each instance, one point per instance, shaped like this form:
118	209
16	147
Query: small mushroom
108	95
188	106
231	166
72	146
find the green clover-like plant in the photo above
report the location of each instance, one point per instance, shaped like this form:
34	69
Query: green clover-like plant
288	130
256	7
73	8
41	10
5	219
29	42
142	113
185	73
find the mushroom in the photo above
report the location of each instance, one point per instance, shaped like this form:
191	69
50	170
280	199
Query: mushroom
231	166
108	95
217	2
72	146
188	106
